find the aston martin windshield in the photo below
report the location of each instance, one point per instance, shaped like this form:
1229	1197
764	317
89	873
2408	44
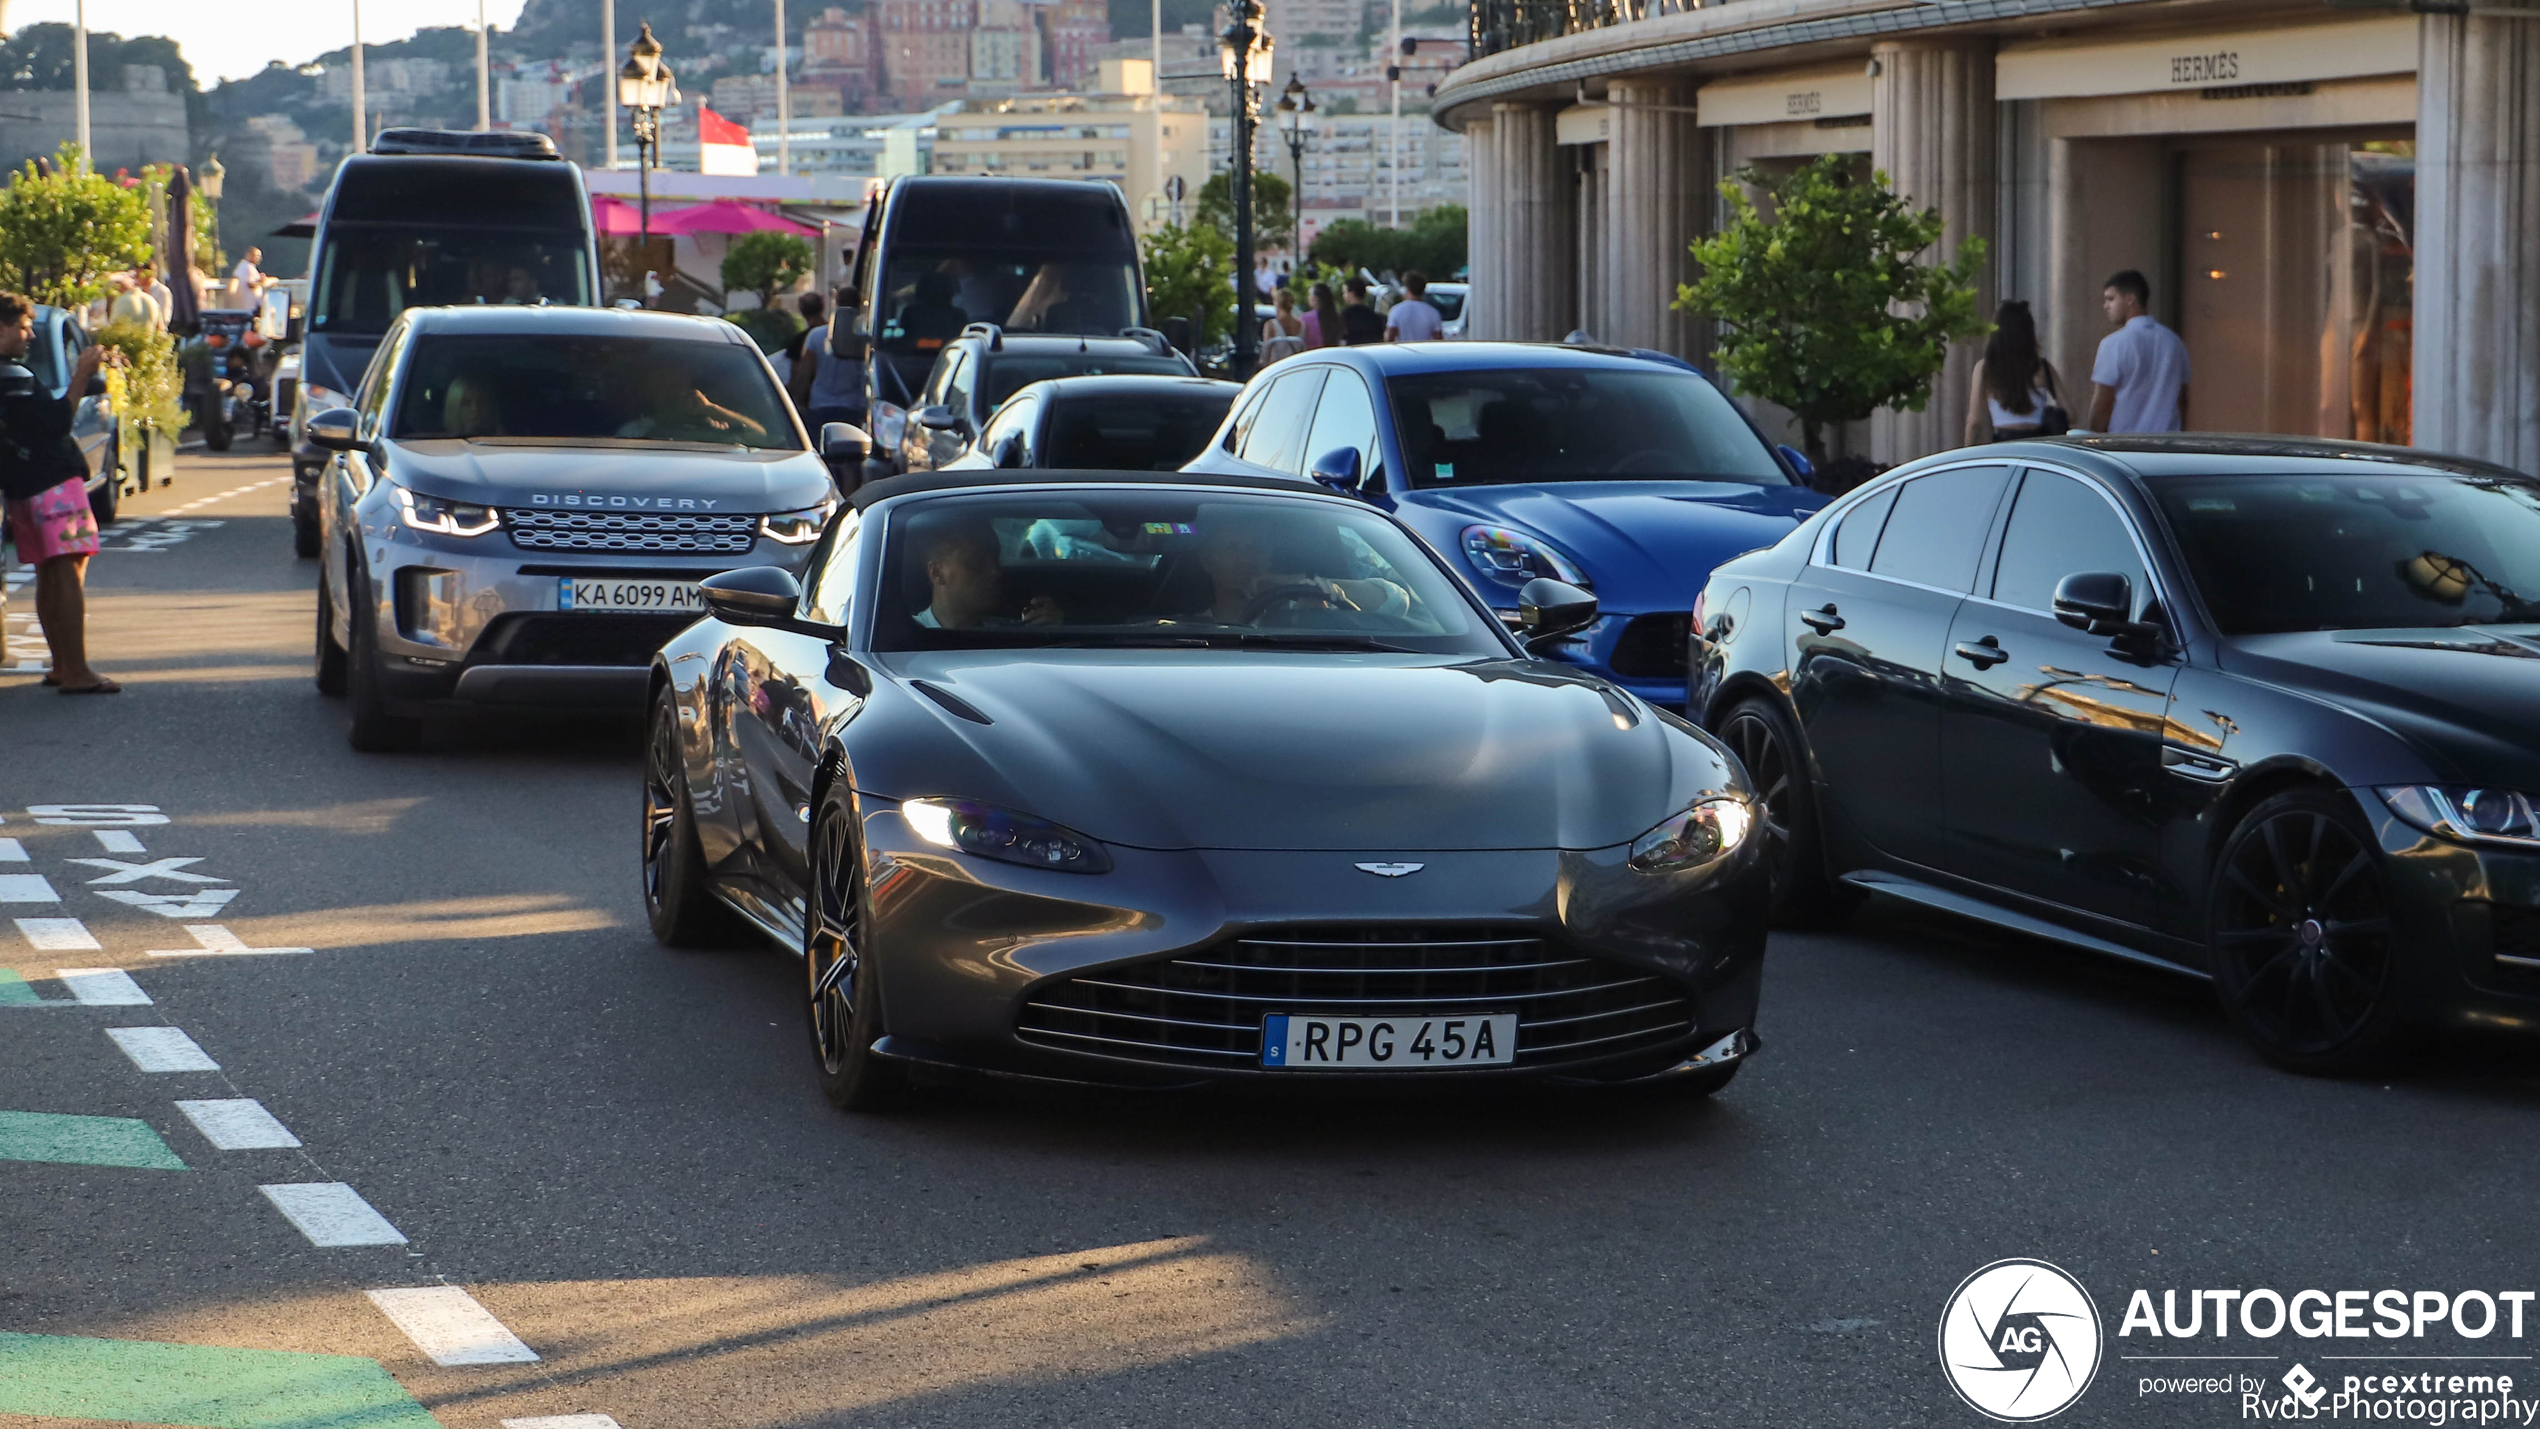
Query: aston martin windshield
2366	552
1525	425
524	385
1131	569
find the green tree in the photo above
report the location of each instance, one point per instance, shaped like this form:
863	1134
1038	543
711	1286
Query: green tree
148	386
1191	274
1273	213
765	263
63	234
1435	244
1823	305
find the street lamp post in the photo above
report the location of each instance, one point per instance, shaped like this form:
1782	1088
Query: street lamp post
1244	50
644	89
1296	110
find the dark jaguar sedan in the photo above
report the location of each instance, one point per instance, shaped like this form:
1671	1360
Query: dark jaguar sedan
1160	779
2259	709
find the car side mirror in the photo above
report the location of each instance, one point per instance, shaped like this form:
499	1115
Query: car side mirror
2099	602
938	418
1549	609
765	596
1338	469
337	429
844	444
1799	461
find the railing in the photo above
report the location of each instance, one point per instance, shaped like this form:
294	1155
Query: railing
1505	24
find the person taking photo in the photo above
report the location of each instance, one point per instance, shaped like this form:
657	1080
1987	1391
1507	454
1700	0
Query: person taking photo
45	481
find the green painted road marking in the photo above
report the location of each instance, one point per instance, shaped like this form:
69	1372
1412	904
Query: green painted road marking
84	1141
138	1382
14	992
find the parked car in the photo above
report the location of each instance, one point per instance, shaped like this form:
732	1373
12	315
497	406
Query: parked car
985	365
1102	424
1521	461
2258	709
1450	299
96	426
1359	834
522	501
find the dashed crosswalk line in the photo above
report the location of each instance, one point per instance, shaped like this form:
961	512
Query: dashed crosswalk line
237	1124
447	1324
331	1213
103	987
11	851
27	888
214	941
118	841
162	1049
58	935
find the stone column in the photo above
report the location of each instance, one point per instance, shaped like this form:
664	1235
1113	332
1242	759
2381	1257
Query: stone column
1932	134
1534	262
1481	178
2477	343
1657	190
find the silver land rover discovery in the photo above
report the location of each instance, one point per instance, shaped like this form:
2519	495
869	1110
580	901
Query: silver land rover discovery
522	499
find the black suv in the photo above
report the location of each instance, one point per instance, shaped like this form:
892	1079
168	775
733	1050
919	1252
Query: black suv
985	365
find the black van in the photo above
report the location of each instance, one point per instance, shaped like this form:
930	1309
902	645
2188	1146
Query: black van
430	218
941	253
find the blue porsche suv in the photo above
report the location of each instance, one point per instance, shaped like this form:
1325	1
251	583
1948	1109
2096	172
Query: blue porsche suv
1625	476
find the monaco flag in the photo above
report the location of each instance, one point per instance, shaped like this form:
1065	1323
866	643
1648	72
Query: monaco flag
723	147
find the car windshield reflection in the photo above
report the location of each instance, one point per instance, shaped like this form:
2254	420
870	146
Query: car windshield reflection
1150	569
519	385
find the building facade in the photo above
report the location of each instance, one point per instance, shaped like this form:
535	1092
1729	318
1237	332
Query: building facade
1128	136
2332	205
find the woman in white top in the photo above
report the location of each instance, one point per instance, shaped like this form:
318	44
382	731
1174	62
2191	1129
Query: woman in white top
1283	334
2015	393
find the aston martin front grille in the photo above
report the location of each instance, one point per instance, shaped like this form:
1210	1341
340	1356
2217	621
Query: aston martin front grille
534	529
1204	1008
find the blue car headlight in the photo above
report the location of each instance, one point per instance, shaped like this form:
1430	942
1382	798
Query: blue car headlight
2501	816
986	831
1710	830
1513	558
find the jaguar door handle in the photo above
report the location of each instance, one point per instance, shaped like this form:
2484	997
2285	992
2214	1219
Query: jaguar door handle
1983	654
1823	620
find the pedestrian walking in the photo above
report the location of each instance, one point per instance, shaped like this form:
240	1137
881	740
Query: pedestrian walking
834	390
1360	325
1283	332
146	272
1322	317
45	482
2015	392
2139	382
801	351
1414	318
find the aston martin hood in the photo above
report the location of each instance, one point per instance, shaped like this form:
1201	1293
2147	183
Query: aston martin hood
1643	541
611	476
1387	754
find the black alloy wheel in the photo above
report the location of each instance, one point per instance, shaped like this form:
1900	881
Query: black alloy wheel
331	657
678	901
845	998
2300	935
1761	737
370	727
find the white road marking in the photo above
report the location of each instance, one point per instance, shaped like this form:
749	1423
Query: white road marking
238	1124
331	1213
97	816
563	1421
196	906
58	935
171	869
103	987
216	941
26	888
118	841
162	1049
446	1323
11	851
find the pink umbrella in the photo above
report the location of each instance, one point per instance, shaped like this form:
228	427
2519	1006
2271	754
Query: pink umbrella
725	215
615	215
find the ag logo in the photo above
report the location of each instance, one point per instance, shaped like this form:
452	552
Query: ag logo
2019	1340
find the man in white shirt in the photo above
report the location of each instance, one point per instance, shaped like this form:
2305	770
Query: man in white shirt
147	275
1413	319
2140	377
247	281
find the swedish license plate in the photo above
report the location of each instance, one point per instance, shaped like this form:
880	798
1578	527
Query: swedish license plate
572	594
1300	1042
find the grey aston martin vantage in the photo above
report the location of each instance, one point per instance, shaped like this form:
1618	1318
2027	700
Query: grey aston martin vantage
1162	779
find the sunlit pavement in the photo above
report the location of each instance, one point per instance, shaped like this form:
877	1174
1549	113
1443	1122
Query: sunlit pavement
430	972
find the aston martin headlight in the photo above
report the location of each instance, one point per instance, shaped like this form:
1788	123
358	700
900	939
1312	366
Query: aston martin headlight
1514	558
797	528
444	518
1709	830
986	831
2454	811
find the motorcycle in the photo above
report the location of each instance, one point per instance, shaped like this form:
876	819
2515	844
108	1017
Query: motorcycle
228	368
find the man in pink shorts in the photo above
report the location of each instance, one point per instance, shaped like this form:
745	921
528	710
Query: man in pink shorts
46	482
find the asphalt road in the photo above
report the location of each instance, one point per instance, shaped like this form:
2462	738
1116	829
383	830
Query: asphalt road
617	1152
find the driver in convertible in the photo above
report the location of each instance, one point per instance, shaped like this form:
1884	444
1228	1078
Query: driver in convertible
968	586
1238	562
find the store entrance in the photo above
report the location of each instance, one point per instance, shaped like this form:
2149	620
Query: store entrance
2295	261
